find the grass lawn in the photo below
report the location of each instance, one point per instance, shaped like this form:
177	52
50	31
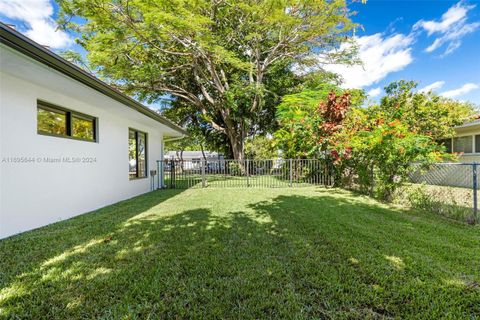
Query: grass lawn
244	254
254	181
451	202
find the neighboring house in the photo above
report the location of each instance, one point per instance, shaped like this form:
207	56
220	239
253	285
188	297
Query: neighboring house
193	155
466	141
69	143
192	159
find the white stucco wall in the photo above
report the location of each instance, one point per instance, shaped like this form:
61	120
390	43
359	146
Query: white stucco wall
35	193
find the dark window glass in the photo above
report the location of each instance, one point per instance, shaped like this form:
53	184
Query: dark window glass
463	144
51	121
137	154
57	121
477	143
447	143
83	127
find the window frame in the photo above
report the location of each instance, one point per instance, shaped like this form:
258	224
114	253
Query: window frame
69	114
475	137
462	136
136	131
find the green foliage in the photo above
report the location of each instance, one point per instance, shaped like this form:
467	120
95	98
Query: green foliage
451	202
302	120
378	144
200	135
234	168
231	60
424	113
381	155
76	58
260	148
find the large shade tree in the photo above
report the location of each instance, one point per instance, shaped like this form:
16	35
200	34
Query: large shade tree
218	55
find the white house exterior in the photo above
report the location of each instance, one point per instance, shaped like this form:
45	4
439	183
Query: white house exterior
193	155
47	176
466	141
192	160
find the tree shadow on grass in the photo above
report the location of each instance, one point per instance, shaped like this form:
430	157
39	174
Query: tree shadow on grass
289	257
409	263
192	264
56	238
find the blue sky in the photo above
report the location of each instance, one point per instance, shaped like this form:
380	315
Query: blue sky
454	65
434	42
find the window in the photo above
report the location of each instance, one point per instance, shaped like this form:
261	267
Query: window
447	143
51	121
477	143
83	127
137	154
60	122
463	144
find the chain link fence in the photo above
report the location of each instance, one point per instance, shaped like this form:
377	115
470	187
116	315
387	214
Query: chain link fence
450	189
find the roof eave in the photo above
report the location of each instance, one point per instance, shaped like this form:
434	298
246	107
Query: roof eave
26	46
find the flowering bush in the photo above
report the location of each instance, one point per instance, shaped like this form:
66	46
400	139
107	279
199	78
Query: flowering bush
378	158
373	147
378	144
309	120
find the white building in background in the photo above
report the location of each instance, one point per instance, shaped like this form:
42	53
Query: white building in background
69	143
466	141
192	159
193	155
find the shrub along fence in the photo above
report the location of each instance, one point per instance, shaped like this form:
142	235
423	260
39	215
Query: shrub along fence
268	173
450	189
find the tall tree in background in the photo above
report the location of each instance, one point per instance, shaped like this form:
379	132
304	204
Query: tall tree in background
224	57
425	113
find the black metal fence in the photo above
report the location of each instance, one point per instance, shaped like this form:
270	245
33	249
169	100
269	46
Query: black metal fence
269	173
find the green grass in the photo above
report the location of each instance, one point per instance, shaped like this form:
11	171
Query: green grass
255	181
244	254
451	202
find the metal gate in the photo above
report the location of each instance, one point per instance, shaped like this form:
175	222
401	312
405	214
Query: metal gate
269	173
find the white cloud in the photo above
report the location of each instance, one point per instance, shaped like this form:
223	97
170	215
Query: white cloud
37	15
453	15
466	88
451	28
432	87
380	54
374	92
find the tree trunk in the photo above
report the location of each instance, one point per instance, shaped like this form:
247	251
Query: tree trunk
203	152
237	148
237	142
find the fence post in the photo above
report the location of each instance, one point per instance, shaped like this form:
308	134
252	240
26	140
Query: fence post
160	174
291	173
246	167
203	172
475	189
172	174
